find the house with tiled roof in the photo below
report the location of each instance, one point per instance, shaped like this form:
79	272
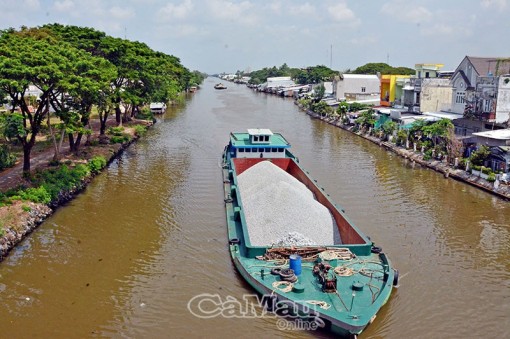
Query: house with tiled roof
481	92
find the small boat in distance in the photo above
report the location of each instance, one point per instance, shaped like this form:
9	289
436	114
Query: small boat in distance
325	271
220	86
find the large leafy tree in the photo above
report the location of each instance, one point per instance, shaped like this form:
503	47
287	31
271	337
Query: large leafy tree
315	75
383	68
143	75
32	57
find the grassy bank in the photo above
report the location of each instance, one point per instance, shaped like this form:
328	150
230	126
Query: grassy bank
27	200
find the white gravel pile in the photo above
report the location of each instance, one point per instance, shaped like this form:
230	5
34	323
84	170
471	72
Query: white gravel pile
276	204
293	239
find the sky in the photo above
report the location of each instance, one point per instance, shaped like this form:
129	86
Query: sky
216	36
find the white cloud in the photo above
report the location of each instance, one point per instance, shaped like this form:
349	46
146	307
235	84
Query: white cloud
341	12
363	40
276	7
439	29
180	11
121	13
185	30
304	9
407	12
32	5
64	6
241	12
500	4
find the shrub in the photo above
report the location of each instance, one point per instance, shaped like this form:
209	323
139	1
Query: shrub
119	139
145	114
115	130
486	170
479	156
491	177
96	164
6	158
140	130
476	167
37	195
427	155
26	208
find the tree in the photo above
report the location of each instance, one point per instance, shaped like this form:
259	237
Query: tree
366	119
31	57
389	127
383	68
454	146
143	75
438	130
318	93
479	156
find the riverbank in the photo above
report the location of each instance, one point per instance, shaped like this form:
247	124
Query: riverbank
498	189
19	218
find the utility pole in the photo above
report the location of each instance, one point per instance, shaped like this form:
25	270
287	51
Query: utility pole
331	58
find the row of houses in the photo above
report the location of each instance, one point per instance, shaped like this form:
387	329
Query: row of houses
475	97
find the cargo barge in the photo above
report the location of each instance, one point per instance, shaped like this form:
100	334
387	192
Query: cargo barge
339	286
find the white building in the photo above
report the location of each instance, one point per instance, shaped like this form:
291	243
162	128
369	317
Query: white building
356	87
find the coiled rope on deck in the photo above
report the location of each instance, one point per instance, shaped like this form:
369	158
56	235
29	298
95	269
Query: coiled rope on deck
287	286
322	304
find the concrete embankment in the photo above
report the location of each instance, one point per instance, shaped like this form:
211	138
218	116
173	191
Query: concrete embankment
500	190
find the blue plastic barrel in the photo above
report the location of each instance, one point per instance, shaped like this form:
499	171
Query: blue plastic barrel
295	263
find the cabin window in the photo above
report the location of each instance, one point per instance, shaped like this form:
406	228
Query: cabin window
261	150
266	138
255	138
248	150
274	150
280	150
267	150
241	150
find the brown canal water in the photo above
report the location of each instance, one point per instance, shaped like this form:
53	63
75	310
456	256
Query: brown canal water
124	258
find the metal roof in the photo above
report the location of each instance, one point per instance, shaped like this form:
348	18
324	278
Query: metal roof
259	131
243	140
444	115
360	76
499	134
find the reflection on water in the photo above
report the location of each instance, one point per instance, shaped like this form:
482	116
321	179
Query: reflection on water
124	258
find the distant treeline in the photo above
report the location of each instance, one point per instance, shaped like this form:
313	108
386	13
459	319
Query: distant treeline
316	74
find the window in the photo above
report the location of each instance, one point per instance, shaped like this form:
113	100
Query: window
261	150
241	150
487	105
274	150
460	98
266	138
267	150
363	89
255	138
248	150
427	75
280	150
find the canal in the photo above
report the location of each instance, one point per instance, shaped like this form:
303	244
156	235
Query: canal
125	257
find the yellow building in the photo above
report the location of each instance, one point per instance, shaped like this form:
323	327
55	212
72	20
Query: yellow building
392	89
